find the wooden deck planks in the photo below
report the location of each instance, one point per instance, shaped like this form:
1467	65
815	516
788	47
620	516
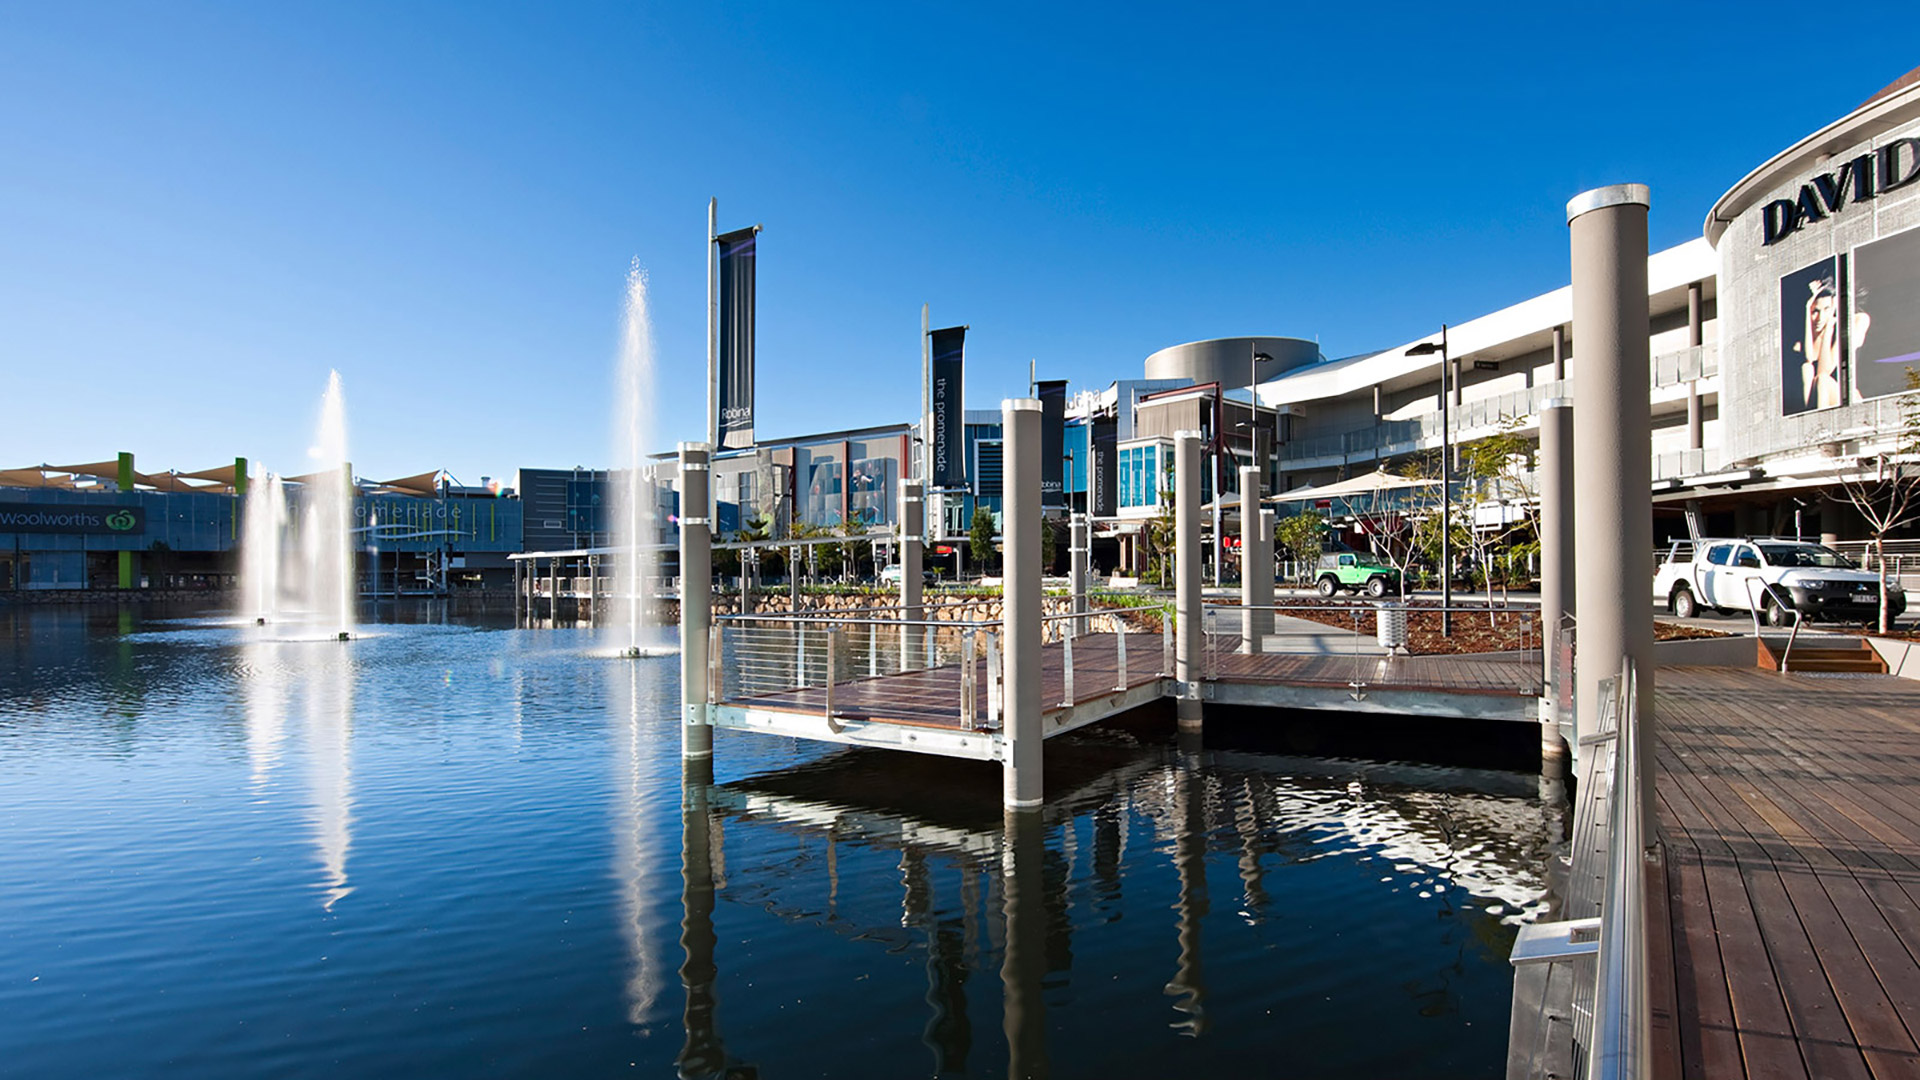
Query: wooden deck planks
1790	807
931	698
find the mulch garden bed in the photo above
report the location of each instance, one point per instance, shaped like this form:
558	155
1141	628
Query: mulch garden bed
1482	631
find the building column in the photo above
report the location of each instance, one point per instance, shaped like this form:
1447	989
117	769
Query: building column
1559	353
1613	510
1187	642
1021	600
696	599
1256	564
129	560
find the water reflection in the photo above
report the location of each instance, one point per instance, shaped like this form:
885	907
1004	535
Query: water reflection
328	692
1463	845
266	697
642	845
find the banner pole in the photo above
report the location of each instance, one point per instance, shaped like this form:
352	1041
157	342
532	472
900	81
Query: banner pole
924	460
713	326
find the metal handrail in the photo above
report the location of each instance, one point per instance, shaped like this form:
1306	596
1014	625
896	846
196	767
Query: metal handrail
1621	1043
1783	603
1596	1021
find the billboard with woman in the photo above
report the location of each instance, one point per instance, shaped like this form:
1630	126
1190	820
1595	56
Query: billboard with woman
1811	353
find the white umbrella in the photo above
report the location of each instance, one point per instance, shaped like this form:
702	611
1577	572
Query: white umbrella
1369	484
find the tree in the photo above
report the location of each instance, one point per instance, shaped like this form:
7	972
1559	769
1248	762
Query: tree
1303	535
980	537
1049	547
1495	472
853	550
1886	490
1162	533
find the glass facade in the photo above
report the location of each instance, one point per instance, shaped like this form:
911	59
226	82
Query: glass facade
1139	469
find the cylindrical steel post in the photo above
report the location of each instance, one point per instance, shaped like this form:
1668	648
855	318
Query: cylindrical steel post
912	528
696	599
1557	546
1557	537
1021	605
1612	430
1256	569
1187	643
1079	540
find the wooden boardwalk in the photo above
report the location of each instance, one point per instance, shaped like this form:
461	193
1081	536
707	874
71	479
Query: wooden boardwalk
931	698
1790	810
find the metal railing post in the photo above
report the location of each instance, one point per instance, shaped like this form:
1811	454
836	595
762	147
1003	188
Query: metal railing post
1066	654
833	649
968	691
993	680
716	670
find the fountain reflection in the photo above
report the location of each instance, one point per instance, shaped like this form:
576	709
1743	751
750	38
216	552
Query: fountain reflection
266	694
640	841
329	736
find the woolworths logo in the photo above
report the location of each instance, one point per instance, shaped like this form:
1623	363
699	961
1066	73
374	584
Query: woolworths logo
71	518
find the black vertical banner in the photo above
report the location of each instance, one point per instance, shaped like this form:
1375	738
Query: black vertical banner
1053	442
736	339
949	362
1102	476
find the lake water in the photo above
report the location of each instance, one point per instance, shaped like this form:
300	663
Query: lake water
459	848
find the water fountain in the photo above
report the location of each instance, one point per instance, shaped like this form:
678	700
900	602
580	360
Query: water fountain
326	529
633	498
266	519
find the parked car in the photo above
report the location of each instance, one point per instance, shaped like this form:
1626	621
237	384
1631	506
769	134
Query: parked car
891	575
1780	575
1356	572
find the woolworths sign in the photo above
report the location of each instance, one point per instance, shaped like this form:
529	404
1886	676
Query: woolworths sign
55	518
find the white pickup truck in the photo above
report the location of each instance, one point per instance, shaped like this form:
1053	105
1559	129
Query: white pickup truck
1818	582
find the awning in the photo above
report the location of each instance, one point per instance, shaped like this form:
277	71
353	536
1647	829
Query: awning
1370	484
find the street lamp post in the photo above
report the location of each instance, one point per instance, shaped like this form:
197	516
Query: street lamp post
1428	348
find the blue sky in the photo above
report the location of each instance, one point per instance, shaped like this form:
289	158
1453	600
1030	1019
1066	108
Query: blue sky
203	208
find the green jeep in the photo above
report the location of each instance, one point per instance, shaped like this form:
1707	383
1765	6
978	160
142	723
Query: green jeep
1352	570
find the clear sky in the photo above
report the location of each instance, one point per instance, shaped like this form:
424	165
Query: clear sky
204	208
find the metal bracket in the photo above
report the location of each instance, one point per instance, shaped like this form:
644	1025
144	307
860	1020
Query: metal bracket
1545	943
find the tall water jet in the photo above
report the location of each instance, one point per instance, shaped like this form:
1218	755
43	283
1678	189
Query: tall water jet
266	516
327	530
633	497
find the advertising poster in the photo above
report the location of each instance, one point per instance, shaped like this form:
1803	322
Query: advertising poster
1885	326
1811	372
736	339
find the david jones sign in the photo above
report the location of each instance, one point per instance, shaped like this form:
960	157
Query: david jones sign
1889	168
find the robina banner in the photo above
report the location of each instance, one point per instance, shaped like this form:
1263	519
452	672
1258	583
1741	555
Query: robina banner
1053	442
949	361
57	518
735	296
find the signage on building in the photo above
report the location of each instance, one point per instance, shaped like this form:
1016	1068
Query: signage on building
949	361
58	518
735	299
1053	442
1889	168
